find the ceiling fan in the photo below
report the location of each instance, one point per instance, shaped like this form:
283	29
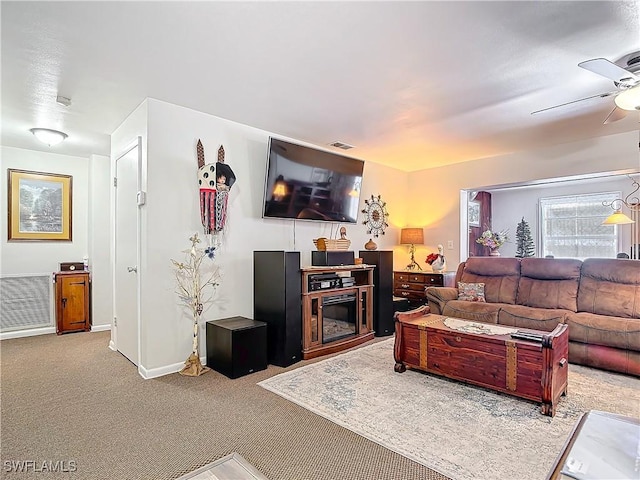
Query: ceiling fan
626	79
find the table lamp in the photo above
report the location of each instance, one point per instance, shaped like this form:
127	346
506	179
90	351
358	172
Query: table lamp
413	237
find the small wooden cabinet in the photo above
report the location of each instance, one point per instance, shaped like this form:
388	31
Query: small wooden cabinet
72	301
411	285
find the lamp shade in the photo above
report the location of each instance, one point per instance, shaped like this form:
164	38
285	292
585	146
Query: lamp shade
629	99
412	236
617	218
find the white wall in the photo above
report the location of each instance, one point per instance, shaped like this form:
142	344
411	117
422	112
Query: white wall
509	206
172	215
44	257
89	206
434	195
99	249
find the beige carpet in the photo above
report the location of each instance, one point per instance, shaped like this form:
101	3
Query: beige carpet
462	431
70	398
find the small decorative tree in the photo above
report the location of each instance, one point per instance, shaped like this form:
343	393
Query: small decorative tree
193	292
524	242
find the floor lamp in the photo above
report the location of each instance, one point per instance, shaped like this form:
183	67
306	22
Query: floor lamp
619	218
413	237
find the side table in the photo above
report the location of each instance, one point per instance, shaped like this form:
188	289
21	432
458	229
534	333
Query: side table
602	446
411	284
236	346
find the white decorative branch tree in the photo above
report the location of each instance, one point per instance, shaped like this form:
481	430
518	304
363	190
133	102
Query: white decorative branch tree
194	292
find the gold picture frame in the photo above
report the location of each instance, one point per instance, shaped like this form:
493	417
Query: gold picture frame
39	206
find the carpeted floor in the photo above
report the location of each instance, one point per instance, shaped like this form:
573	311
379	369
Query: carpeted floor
462	431
69	398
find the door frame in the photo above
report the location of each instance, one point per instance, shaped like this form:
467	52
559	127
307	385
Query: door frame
113	344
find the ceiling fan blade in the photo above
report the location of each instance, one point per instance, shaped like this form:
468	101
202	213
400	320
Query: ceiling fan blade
615	115
600	95
607	69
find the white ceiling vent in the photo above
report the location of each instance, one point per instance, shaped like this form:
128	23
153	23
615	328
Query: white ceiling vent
343	146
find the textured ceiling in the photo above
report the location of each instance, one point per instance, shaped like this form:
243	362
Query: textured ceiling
412	85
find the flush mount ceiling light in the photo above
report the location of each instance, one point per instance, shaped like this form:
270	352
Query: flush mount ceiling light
629	99
48	136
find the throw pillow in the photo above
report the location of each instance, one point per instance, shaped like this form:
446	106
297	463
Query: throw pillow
472	292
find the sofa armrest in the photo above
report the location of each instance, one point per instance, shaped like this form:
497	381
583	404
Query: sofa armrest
437	297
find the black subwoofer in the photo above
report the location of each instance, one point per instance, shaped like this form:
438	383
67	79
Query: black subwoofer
236	346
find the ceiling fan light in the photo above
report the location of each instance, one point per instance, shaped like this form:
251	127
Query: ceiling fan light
629	99
48	136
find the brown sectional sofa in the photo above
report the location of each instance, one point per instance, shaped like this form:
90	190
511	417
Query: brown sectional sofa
598	298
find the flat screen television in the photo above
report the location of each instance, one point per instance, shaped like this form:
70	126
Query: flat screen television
310	184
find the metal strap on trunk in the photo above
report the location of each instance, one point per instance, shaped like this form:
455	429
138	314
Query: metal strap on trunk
512	365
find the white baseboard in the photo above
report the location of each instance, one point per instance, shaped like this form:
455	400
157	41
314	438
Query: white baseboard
100	328
112	346
31	332
161	371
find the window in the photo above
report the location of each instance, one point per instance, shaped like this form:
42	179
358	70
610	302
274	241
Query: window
571	226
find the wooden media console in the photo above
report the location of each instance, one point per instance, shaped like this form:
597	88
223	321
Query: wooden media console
336	317
533	366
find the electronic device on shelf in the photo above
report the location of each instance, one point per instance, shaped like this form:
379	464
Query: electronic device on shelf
348	281
324	281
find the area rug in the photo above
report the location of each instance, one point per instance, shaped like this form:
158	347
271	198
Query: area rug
461	431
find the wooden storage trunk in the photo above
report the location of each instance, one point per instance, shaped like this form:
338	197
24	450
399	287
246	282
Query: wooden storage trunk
529	369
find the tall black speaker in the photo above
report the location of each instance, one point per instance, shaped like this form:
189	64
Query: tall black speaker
382	290
277	300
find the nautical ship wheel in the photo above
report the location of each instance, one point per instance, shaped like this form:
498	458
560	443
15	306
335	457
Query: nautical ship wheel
375	216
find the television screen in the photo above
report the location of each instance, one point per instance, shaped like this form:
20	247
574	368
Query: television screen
309	184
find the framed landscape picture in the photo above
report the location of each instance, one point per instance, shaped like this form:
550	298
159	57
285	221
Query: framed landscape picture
474	214
39	206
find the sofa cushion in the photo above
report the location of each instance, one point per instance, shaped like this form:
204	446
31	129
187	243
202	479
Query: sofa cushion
499	275
610	286
531	317
472	292
549	283
476	311
604	330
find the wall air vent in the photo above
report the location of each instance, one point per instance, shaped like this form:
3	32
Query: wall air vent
25	302
343	146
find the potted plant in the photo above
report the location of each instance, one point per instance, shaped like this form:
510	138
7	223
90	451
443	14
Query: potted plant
493	240
195	288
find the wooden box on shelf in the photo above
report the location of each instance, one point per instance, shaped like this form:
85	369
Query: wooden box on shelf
72	301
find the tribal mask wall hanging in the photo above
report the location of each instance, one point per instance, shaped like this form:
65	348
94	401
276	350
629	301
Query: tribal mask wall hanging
215	181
